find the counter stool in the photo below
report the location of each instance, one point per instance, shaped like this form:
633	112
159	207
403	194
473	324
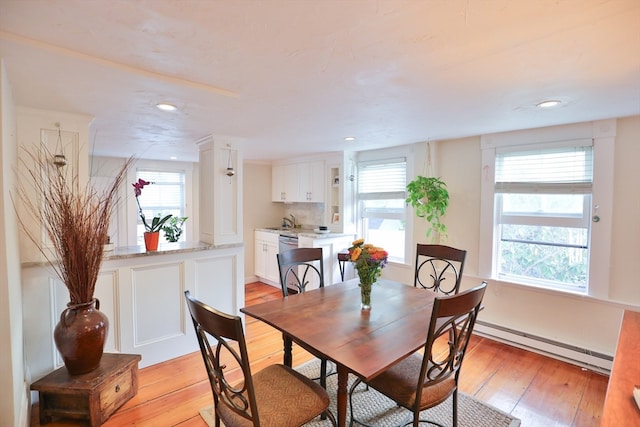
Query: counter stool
343	257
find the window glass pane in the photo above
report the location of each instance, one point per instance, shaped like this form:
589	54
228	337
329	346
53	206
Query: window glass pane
543	204
383	207
560	236
553	266
388	234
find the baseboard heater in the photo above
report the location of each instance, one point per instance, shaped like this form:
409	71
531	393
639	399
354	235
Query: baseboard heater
578	356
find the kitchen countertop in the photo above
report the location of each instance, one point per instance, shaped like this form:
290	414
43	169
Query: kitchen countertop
126	252
303	232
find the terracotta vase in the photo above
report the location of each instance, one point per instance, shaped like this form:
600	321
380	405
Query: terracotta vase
151	240
80	336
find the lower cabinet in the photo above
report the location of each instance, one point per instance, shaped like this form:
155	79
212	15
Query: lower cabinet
330	248
266	263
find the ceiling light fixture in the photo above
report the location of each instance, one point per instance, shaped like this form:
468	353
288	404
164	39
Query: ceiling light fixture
166	107
349	138
549	103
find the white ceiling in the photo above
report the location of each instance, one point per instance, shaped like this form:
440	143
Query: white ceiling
288	78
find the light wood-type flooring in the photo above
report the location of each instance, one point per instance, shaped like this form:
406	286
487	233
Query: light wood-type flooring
541	391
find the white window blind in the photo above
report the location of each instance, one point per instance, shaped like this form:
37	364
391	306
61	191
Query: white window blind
166	194
547	170
386	180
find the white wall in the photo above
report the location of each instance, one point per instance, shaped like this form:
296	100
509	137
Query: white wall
14	403
624	284
580	321
259	210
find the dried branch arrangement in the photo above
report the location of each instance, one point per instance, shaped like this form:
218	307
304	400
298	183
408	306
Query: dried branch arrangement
75	218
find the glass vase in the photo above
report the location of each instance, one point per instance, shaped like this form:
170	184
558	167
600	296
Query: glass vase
365	296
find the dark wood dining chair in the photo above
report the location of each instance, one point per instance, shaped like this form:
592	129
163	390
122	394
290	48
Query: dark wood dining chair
422	381
298	267
437	263
276	396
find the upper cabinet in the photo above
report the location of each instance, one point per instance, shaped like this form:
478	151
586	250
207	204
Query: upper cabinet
312	183
284	186
298	182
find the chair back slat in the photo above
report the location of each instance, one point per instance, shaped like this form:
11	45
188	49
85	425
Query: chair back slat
437	263
298	267
453	319
238	396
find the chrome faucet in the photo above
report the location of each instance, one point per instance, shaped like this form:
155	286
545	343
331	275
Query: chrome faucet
286	222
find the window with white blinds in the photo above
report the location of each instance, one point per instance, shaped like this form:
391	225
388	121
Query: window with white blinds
166	195
381	202
542	205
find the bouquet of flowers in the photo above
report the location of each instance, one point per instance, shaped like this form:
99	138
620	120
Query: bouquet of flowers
369	260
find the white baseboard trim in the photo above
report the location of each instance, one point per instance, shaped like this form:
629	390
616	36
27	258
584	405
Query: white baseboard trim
575	355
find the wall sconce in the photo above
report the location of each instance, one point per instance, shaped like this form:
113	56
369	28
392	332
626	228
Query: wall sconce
230	171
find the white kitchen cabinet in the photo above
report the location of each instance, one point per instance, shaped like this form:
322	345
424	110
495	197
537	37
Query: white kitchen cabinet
285	183
330	245
298	182
312	183
266	263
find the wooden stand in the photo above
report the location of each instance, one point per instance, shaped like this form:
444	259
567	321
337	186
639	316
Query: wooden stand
93	396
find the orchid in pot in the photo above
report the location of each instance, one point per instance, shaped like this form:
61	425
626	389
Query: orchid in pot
152	231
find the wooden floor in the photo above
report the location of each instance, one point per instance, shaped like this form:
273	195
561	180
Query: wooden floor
541	391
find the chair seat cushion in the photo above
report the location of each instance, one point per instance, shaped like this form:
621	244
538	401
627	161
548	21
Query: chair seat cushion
285	398
400	384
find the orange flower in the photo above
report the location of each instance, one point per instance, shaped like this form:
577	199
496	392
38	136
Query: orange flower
355	254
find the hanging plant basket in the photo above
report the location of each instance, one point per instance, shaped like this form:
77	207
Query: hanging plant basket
430	199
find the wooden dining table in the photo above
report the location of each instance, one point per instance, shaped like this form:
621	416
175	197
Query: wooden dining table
362	342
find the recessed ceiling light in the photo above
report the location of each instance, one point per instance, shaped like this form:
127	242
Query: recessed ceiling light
173	158
349	138
549	103
166	107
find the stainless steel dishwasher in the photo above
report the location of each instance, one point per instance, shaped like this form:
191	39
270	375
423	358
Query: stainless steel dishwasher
286	243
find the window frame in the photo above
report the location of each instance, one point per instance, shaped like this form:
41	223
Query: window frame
379	157
602	133
133	217
141	173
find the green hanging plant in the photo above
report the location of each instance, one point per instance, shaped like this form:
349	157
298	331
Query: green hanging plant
430	199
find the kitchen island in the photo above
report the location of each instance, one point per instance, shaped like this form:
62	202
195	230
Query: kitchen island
142	294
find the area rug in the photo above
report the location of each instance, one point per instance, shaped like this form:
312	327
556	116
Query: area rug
375	409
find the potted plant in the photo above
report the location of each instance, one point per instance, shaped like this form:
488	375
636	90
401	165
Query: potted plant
430	199
173	228
76	221
152	231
